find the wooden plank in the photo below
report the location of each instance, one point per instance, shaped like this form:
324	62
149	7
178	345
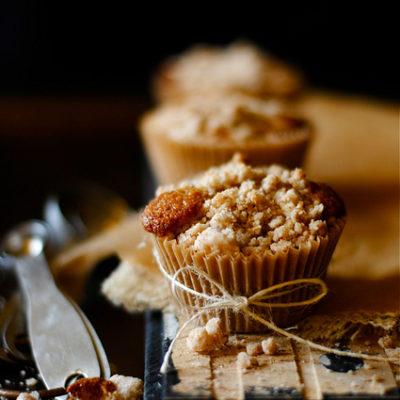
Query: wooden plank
374	378
311	388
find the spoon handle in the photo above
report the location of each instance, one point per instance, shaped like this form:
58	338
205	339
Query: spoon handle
61	344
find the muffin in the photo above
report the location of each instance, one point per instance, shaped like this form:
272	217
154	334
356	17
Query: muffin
248	228
183	139
240	67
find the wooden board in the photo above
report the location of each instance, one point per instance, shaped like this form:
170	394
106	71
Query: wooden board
295	372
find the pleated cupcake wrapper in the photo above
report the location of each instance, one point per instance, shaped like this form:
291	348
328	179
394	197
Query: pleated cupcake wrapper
172	161
246	275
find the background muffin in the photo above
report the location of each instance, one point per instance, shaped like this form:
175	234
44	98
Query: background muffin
240	67
248	228
183	139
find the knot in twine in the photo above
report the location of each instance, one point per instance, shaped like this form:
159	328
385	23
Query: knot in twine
243	303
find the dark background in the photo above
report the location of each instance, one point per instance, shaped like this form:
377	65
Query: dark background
74	77
114	46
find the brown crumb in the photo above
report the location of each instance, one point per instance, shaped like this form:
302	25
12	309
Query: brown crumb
171	210
252	349
207	338
214	329
269	346
387	342
244	361
91	389
333	204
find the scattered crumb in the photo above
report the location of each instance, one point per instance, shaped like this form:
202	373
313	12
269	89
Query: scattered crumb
117	388
375	379
351	372
31	382
386	342
128	388
269	346
207	338
252	349
244	361
28	396
376	382
22	373
214	329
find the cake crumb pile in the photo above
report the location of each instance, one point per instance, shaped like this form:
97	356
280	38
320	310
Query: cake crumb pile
249	209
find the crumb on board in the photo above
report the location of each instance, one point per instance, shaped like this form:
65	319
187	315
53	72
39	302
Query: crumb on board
207	338
244	361
253	349
30	382
269	346
387	342
117	388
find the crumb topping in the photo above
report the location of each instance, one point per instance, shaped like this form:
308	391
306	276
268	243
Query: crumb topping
171	210
238	67
236	117
246	209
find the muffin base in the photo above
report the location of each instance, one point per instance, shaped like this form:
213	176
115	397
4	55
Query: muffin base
246	275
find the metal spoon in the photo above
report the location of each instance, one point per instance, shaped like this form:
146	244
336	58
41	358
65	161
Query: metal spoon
64	344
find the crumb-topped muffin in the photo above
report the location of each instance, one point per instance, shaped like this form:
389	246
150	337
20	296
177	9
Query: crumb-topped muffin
248	228
183	139
239	67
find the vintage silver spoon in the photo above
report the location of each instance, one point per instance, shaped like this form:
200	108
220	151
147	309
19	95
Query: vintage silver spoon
64	344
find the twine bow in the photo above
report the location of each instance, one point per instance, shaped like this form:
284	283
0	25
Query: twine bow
260	299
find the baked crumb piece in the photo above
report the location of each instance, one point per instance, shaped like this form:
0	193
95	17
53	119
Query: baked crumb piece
253	349
387	342
269	346
244	361
214	330
31	382
207	338
117	388
28	396
91	389
128	387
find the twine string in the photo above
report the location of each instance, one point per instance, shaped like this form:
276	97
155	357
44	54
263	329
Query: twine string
242	303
